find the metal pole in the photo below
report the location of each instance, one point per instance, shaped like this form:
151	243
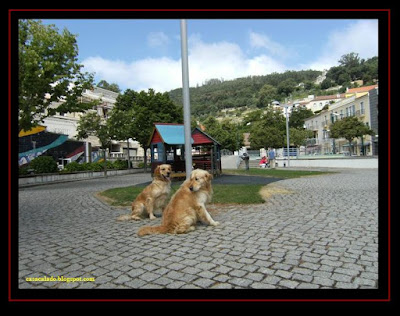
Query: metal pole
287	133
186	99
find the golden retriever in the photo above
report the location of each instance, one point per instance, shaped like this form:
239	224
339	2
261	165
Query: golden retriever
186	207
154	197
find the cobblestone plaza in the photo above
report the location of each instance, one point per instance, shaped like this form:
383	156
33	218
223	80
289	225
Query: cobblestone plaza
322	234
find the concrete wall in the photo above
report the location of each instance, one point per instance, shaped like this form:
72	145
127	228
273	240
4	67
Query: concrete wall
55	177
230	162
360	162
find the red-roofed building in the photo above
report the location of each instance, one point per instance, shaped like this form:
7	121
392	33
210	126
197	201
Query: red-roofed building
167	146
361	89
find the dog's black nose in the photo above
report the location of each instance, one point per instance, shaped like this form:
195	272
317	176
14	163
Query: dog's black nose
191	188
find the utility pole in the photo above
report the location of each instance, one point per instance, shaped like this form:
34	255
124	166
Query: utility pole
186	99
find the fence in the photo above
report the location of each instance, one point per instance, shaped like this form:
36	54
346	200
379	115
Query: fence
293	152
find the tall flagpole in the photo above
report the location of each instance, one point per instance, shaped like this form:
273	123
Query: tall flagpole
186	99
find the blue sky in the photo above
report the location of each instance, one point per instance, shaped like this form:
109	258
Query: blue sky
142	54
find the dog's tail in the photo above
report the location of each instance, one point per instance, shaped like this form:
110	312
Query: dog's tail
125	217
148	230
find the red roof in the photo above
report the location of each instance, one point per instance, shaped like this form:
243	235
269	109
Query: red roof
362	89
200	138
156	138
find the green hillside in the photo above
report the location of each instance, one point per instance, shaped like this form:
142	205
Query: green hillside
253	92
217	94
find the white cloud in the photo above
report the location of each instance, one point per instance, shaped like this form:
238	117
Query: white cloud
155	39
206	60
258	40
262	65
161	74
360	37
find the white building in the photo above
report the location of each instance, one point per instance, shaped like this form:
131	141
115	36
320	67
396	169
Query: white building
319	102
67	123
359	102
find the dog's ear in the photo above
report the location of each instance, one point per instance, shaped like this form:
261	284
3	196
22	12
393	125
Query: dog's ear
157	172
210	176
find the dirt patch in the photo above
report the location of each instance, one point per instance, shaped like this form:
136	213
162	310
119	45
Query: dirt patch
268	191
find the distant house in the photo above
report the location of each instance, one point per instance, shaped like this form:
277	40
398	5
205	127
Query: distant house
319	102
360	102
361	90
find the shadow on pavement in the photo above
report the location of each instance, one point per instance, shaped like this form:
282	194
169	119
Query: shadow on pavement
234	179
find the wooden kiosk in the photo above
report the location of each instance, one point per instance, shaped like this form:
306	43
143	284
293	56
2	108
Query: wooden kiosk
167	145
206	153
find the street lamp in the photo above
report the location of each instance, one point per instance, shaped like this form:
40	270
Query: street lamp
333	140
286	106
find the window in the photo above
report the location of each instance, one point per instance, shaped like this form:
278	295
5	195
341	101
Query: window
155	152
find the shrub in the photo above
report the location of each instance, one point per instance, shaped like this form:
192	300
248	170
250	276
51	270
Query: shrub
24	170
120	164
74	166
141	165
95	166
109	164
44	164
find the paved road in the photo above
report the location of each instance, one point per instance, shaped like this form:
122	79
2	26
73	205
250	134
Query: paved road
323	234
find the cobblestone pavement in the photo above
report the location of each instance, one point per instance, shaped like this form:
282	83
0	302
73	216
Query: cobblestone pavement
323	234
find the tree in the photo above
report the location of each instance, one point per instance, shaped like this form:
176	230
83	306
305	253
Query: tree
147	108
349	128
112	87
120	125
48	72
327	83
349	60
286	87
298	116
92	124
264	136
226	133
266	95
298	136
267	130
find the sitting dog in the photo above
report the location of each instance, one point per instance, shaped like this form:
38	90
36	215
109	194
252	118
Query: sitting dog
186	207
154	197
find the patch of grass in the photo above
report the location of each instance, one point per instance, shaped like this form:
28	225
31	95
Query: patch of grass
237	194
274	173
223	194
121	196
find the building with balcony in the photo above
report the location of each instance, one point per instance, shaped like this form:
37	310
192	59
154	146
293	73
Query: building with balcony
363	104
67	123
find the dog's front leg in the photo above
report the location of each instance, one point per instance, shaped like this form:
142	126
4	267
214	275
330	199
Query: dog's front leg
205	216
150	207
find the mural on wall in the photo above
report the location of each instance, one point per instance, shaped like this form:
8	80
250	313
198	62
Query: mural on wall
38	141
